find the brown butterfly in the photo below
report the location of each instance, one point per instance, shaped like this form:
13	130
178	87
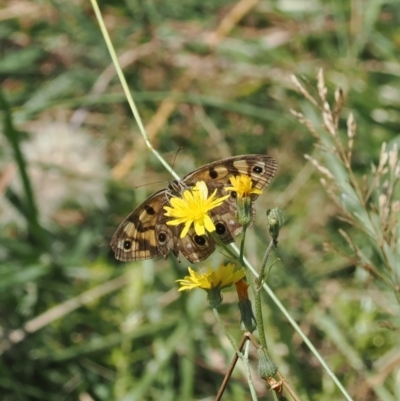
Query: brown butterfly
144	234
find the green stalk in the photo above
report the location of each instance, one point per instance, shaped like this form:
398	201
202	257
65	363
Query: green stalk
242	357
256	294
264	263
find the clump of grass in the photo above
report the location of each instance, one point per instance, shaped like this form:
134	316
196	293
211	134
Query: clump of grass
368	204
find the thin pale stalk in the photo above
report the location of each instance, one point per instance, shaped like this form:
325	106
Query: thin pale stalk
238	352
248	373
125	87
230	370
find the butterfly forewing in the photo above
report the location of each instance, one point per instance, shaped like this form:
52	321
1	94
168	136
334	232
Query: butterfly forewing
260	168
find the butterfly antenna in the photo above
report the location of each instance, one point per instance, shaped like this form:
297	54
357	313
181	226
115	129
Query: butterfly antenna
176	155
149	183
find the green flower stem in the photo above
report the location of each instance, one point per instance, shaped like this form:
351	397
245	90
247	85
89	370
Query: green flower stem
256	294
267	368
255	289
258	309
248	373
228	336
241	255
243	358
263	264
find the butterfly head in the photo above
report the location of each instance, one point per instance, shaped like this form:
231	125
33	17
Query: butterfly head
177	187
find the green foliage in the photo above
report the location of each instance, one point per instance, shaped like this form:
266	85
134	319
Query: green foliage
75	323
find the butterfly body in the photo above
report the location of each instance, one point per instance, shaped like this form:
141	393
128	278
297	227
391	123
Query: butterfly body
144	233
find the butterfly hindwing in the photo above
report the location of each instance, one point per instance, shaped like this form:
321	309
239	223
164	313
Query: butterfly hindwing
196	248
136	237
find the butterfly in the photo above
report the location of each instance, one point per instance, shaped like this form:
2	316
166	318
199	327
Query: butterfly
144	234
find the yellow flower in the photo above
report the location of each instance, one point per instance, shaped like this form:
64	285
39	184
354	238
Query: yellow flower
243	186
192	208
224	277
212	281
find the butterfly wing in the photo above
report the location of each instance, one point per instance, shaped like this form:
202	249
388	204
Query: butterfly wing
196	248
144	233
259	168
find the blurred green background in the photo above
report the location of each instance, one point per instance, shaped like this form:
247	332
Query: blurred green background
77	325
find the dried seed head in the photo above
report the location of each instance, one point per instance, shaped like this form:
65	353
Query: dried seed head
329	124
307	123
320	168
322	90
382	200
397	171
393	157
303	90
385	184
395	207
351	126
383	157
339	99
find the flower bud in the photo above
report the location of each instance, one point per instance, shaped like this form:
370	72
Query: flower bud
275	221
214	297
247	319
244	211
266	367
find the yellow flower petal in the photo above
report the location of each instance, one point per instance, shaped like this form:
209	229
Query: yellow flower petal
208	223
243	186
223	277
193	208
